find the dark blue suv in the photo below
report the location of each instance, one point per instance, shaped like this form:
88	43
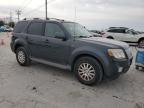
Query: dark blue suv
68	45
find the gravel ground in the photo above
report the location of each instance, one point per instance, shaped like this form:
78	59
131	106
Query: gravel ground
42	86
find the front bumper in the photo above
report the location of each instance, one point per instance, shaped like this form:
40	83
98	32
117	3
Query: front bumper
118	67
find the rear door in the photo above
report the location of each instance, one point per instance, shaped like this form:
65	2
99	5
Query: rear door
34	38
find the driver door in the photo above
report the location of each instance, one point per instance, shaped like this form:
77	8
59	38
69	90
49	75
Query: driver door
56	48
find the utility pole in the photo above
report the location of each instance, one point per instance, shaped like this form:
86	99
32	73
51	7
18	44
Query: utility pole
46	8
18	12
10	19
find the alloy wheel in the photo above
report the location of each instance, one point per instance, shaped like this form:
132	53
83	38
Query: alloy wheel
21	57
86	71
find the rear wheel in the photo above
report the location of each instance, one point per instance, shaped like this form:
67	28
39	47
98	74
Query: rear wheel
110	37
22	56
140	68
88	70
141	42
137	67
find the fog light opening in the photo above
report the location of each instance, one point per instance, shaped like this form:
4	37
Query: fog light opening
120	69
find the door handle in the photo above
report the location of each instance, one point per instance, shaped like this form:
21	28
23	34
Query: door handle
46	41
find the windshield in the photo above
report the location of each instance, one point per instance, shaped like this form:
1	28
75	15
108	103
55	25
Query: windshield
76	30
133	32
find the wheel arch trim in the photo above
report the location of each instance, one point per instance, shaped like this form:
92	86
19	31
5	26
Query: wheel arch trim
99	56
21	43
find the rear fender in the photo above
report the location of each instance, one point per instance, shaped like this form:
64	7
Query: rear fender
21	43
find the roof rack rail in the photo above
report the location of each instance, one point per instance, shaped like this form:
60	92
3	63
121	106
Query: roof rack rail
117	27
31	18
36	18
46	19
55	19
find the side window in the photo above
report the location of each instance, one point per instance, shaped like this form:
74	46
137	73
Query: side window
20	26
112	30
35	28
117	31
124	31
121	30
53	30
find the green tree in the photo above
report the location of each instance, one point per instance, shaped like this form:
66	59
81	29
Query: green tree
1	23
11	24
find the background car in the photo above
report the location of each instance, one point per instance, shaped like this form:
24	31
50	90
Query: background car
95	34
96	31
9	29
2	29
6	29
123	34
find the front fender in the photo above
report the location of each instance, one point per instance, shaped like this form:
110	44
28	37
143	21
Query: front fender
99	54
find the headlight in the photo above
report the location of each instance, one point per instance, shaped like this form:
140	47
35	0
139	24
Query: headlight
116	53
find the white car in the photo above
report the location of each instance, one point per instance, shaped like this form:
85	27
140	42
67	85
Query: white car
95	34
124	34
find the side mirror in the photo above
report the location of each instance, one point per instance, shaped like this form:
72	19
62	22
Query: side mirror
127	31
60	36
134	33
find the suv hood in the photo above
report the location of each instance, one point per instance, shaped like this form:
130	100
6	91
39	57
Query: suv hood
110	42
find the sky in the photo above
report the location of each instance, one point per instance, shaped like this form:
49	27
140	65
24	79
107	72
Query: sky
94	14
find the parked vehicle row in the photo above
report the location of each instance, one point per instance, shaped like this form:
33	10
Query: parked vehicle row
6	29
68	45
95	34
121	34
124	34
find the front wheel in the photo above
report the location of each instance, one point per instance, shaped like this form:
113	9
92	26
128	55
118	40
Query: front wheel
88	70
22	56
110	37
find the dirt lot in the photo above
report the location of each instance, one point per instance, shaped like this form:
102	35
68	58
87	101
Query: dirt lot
41	86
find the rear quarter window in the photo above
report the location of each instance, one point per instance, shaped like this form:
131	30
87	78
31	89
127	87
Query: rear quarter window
20	26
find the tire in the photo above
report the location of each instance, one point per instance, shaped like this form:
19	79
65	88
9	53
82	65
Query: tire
110	37
84	75
141	42
137	67
22	56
